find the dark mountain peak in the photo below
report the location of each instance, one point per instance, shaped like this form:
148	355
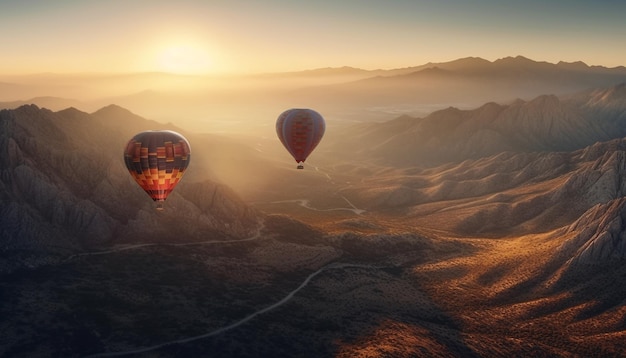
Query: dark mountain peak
73	112
113	110
467	63
489	109
28	108
490	105
472	59
35	120
448	111
544	101
446	114
517	102
516	59
126	121
539	103
577	65
522	58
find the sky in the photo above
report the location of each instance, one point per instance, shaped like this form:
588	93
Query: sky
252	36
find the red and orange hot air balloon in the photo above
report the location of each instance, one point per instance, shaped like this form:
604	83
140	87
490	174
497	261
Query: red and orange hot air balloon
300	130
157	161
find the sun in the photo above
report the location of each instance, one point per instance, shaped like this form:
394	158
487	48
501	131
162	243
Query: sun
184	58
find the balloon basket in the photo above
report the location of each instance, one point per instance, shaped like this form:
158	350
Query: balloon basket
159	206
300	166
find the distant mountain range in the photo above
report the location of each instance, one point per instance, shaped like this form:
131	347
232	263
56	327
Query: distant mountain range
49	102
466	66
545	123
341	94
465	83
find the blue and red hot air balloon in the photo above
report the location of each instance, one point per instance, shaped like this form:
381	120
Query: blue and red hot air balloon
157	161
300	130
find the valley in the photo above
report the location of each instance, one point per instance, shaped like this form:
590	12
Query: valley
490	231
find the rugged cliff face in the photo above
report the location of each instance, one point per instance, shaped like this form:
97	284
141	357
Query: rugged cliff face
64	188
598	237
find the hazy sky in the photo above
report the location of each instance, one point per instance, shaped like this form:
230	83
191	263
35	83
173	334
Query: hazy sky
283	35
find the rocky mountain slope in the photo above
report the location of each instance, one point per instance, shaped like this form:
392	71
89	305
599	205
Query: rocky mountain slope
546	123
576	196
64	187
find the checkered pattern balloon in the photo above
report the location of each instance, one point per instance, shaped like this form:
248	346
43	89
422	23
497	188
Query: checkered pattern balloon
157	161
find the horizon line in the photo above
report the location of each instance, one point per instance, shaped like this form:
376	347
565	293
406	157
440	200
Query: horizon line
227	74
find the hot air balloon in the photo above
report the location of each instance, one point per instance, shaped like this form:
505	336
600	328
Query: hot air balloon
300	130
157	161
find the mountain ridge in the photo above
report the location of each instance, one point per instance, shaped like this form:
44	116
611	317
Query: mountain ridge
63	179
345	93
544	123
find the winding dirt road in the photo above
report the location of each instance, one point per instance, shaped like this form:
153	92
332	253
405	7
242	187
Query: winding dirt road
256	236
305	203
241	321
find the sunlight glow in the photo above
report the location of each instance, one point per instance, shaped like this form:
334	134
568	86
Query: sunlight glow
184	58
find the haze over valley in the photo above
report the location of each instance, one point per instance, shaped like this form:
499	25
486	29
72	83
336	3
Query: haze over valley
488	229
237	104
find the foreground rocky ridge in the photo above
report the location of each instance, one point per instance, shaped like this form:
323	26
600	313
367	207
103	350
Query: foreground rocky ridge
64	187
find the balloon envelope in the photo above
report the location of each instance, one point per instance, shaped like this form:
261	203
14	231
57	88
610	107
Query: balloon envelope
157	161
300	130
